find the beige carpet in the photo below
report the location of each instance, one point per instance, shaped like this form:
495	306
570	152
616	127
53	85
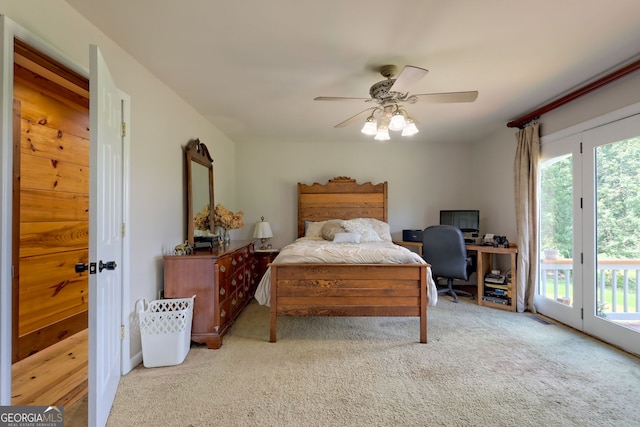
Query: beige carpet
481	367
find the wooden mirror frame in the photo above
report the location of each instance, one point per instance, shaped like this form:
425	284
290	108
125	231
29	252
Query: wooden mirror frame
196	151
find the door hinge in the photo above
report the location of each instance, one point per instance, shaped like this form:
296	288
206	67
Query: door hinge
124	129
581	257
123	230
121	332
581	148
580	202
582	313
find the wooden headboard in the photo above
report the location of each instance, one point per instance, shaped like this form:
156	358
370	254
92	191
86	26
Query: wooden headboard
340	198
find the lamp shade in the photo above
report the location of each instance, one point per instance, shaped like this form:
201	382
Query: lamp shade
397	121
370	126
382	135
410	128
262	230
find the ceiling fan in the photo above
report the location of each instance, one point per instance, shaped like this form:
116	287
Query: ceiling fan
389	95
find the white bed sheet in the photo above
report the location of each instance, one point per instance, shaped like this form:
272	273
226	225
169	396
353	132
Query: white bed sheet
316	250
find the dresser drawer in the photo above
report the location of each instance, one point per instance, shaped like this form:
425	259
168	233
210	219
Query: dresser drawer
226	313
234	304
225	267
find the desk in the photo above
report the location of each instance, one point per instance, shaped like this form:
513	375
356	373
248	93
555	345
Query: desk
485	259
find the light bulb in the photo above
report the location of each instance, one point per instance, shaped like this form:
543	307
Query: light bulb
383	134
370	126
410	128
397	121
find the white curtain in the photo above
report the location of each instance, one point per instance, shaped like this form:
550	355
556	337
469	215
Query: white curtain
525	169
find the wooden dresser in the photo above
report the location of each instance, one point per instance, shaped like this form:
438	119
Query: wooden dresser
223	281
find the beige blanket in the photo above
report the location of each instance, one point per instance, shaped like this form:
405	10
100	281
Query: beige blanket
313	250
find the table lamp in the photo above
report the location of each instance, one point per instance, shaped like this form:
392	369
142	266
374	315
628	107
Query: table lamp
262	232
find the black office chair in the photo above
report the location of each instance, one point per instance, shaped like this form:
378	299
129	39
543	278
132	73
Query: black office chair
444	249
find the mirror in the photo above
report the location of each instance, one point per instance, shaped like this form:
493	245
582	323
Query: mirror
199	174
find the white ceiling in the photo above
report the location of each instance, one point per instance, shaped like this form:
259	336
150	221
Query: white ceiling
253	67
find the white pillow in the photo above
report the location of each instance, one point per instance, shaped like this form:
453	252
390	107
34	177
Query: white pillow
381	228
347	238
362	226
314	229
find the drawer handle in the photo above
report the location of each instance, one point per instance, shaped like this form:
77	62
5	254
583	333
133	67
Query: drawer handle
240	276
241	295
234	302
223	313
222	269
233	282
222	291
233	262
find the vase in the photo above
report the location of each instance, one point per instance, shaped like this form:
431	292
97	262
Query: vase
226	236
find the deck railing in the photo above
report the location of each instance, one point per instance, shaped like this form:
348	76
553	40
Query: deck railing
617	285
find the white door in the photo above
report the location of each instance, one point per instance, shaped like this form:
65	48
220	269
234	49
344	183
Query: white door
611	176
105	239
559	290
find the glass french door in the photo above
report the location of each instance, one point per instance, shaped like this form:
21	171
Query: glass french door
559	291
612	215
589	226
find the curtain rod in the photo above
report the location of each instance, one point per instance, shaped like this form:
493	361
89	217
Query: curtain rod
520	122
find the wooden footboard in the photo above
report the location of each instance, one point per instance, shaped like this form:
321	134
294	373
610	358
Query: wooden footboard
349	290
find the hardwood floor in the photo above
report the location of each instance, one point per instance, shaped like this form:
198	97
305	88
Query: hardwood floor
57	375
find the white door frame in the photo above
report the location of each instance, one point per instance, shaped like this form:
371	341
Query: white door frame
8	31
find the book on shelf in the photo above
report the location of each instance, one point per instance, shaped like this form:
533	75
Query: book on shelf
496	286
496	300
495	279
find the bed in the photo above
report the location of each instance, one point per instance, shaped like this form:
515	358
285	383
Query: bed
389	280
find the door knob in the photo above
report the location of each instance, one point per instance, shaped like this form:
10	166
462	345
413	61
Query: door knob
109	265
82	267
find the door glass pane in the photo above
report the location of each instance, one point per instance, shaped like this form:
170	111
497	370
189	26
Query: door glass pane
556	230
617	231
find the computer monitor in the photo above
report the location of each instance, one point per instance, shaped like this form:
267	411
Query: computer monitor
468	221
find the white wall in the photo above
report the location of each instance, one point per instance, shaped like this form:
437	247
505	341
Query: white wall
161	122
621	93
423	178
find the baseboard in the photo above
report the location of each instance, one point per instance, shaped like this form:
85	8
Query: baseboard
134	361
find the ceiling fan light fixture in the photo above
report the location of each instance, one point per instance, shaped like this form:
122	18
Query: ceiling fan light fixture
398	121
382	134
370	126
410	128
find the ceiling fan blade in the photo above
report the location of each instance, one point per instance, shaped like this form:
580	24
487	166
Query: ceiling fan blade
443	98
408	77
354	118
339	98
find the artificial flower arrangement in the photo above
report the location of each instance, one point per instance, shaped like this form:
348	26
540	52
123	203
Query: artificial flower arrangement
202	219
224	218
